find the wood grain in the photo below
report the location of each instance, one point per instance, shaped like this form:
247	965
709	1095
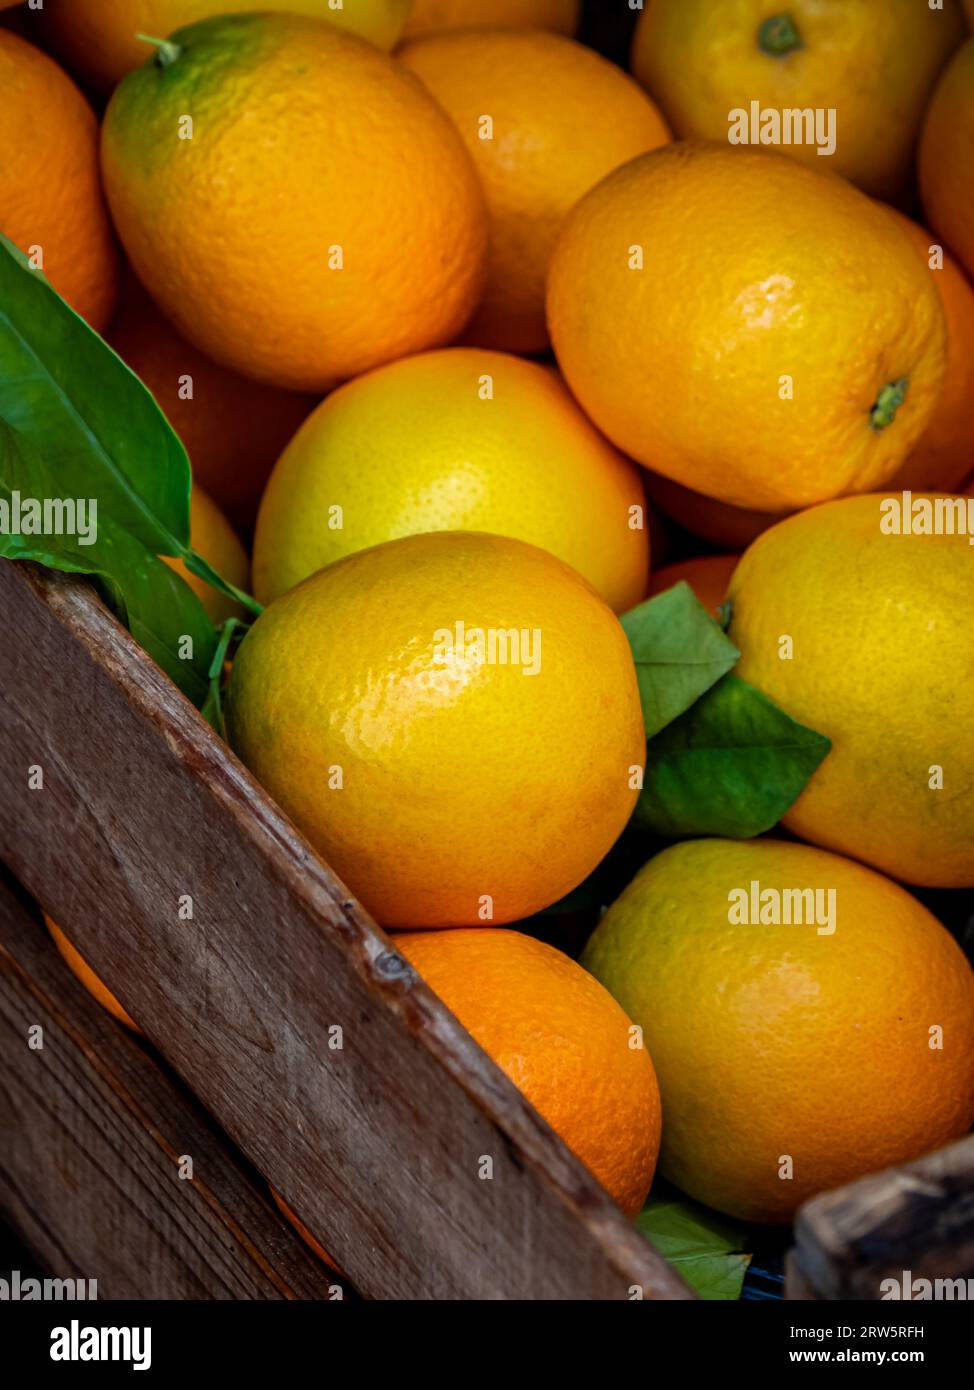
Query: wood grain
377	1145
93	1131
918	1218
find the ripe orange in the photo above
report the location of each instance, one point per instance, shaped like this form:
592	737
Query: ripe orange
544	120
707	575
452	719
859	625
215	540
790	1060
304	1233
420	445
750	328
50	196
872	62
433	16
99	38
351	232
233	429
79	967
732	528
561	1038
946	157
944	453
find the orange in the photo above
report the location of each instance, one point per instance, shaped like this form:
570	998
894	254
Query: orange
707	575
87	976
561	1038
351	232
544	120
458	440
433	16
791	1059
859	625
946	157
755	330
452	719
305	1234
871	62
731	528
212	537
233	429
98	38
51	203
944	454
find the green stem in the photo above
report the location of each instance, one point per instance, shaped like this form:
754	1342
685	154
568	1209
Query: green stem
779	35
167	51
888	403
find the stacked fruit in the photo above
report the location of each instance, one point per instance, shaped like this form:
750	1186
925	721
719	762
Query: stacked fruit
445	318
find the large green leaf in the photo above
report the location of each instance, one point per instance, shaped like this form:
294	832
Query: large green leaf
732	765
680	652
705	1248
76	425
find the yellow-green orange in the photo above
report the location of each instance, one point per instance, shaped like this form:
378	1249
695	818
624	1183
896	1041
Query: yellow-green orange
871	62
755	330
561	1038
561	118
452	719
351	232
867	637
99	38
458	440
790	1059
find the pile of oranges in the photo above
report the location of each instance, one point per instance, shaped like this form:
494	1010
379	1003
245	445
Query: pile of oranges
477	325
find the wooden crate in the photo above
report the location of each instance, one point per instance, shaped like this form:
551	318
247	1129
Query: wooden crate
378	1144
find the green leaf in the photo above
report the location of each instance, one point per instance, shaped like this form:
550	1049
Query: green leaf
77	426
680	652
730	766
704	1247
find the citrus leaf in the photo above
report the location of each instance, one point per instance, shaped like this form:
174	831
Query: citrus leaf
680	652
705	1248
93	428
78	427
732	765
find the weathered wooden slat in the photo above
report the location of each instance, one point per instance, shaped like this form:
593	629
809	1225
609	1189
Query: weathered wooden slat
904	1224
92	1132
376	1144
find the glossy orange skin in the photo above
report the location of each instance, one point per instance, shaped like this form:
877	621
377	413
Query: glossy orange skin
733	320
233	429
50	192
561	1038
351	233
477	785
